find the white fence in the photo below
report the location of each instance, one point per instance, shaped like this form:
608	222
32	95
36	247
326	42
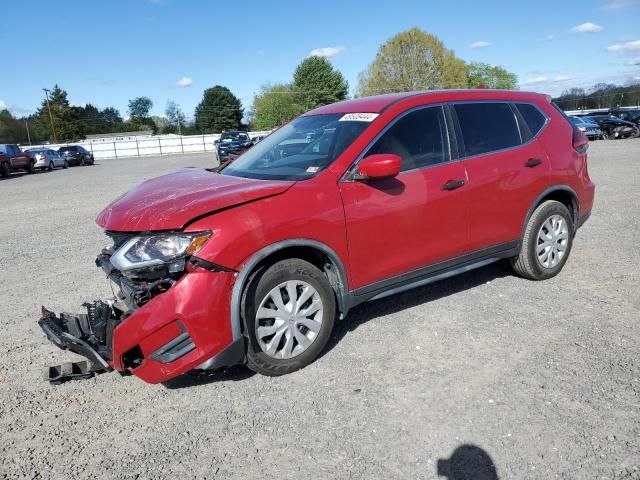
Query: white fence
144	146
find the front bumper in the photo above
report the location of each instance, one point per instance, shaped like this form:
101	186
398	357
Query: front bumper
176	331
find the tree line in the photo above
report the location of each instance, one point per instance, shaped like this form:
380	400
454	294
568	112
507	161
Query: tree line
601	95
411	60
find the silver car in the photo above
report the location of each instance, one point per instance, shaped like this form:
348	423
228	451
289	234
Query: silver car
48	159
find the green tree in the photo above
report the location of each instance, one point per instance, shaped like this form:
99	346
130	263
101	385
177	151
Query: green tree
67	120
219	110
317	83
412	60
490	76
273	106
139	108
10	131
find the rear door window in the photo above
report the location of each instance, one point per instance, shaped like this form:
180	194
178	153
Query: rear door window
533	117
419	138
487	127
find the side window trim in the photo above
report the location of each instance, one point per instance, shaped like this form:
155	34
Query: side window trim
348	175
461	146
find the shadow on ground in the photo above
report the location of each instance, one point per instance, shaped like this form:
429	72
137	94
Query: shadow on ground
467	462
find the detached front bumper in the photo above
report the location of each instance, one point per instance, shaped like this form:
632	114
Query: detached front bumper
174	332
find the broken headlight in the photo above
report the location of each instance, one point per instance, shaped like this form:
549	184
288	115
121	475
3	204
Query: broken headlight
158	249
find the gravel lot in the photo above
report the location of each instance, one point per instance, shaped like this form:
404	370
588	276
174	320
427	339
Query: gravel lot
543	377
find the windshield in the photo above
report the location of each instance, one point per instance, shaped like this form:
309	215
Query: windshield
299	150
229	137
576	121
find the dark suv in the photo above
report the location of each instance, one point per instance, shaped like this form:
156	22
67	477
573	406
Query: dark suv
231	145
76	155
347	203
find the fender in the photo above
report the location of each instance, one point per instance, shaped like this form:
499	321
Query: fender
247	268
536	202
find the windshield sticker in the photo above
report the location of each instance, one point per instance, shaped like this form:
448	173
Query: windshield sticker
359	117
313	169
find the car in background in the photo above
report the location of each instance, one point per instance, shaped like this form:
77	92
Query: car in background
231	145
590	128
47	159
13	159
76	155
257	138
614	127
629	114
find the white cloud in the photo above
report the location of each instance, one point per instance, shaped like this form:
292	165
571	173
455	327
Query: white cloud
184	82
635	61
561	78
327	52
481	44
534	80
620	4
626	47
587	27
3	105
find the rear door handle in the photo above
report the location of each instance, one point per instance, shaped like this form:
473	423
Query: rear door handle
532	162
452	185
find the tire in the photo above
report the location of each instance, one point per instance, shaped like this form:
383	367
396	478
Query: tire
31	168
5	170
65	165
50	167
528	263
82	162
288	344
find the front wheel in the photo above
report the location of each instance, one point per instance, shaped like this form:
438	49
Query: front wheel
65	165
289	312
5	169
546	243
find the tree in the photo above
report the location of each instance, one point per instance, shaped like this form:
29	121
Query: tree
67	120
175	117
274	105
490	76
316	83
139	108
219	110
412	60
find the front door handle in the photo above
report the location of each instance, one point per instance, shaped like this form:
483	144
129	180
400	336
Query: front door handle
452	185
532	162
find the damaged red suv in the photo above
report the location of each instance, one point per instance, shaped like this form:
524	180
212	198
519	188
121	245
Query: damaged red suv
347	203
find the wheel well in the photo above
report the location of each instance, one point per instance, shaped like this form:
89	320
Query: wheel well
565	197
316	257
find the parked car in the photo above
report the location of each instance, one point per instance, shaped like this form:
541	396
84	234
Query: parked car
254	264
614	127
231	145
47	159
257	138
630	115
588	126
76	155
14	159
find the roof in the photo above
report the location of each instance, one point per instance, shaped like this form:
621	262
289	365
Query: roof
379	103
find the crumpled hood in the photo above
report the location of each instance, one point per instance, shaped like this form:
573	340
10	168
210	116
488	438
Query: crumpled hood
169	202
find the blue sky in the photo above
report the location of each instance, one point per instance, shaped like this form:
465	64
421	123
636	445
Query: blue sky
106	52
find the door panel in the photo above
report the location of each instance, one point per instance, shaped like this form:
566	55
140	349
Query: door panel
401	224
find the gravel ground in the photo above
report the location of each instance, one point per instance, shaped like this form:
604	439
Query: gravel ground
544	378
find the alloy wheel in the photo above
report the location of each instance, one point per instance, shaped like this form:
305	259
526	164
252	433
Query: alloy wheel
289	319
553	240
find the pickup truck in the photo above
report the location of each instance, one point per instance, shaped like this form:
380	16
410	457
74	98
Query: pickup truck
12	158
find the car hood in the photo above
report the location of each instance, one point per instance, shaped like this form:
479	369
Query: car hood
169	202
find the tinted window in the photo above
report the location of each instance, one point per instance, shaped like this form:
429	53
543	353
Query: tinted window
420	138
487	127
532	116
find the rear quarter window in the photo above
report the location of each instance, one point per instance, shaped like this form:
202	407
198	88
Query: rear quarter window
534	119
487	127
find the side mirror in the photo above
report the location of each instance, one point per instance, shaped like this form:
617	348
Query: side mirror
381	165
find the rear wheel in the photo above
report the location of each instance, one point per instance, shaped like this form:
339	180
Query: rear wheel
289	312
5	170
82	162
546	243
50	167
32	167
65	164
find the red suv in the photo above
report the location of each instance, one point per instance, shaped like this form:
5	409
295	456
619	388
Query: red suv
347	203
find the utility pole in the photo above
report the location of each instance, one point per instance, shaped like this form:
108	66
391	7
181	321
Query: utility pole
26	124
179	131
53	129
